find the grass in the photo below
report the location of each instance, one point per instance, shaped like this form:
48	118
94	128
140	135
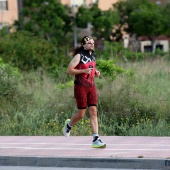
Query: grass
129	103
135	104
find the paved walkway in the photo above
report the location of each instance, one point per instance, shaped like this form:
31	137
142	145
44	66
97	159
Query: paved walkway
121	151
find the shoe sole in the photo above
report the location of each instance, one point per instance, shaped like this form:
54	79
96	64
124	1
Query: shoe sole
103	146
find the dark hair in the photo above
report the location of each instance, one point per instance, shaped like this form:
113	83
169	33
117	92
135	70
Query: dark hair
77	50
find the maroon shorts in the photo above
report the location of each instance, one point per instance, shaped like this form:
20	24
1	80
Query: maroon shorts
85	96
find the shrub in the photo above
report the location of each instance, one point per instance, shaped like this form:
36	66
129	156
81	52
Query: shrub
108	68
25	51
9	78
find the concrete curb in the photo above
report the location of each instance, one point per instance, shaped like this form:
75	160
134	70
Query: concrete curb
119	163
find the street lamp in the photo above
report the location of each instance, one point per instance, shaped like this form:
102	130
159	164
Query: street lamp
75	26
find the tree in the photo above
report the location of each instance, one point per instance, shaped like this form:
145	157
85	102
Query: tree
167	15
150	21
104	24
102	21
124	9
83	16
48	19
143	17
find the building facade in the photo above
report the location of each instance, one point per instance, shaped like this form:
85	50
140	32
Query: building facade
9	11
103	4
77	2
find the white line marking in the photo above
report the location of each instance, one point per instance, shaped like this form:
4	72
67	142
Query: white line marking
76	144
27	148
42	144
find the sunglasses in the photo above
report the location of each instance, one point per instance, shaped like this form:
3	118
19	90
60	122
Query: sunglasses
90	43
88	38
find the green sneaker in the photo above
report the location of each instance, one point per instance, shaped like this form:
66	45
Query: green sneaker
66	131
98	144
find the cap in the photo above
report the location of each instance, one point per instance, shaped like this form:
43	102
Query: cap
85	39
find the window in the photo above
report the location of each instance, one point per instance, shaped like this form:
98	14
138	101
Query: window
158	2
77	2
2	25
3	5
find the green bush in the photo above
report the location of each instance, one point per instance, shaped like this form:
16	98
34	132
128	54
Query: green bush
9	78
25	51
108	68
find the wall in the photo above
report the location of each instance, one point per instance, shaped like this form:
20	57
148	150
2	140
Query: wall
11	14
106	4
103	4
